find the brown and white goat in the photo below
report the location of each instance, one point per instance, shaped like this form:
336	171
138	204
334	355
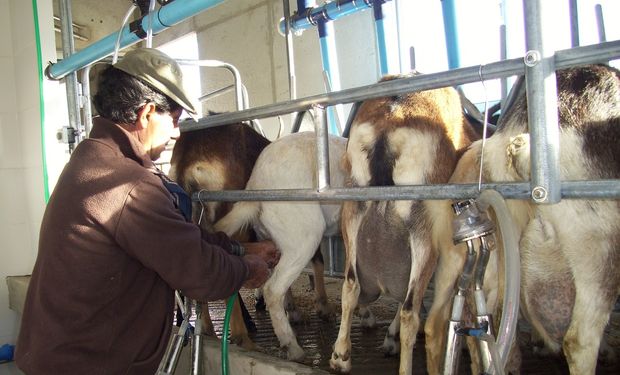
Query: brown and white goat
569	251
219	158
408	139
295	227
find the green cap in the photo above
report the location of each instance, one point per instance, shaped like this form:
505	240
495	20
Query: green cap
158	70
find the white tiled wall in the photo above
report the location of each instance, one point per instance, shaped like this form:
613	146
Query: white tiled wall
22	197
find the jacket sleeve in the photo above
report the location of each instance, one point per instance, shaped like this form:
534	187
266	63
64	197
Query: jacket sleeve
154	232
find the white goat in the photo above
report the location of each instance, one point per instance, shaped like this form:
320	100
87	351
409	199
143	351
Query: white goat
296	227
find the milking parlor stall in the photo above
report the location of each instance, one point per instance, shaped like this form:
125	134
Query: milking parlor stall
441	178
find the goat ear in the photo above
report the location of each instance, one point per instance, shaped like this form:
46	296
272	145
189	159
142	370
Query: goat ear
144	114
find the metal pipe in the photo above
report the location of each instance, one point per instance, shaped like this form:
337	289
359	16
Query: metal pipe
503	55
220	64
86	102
329	59
322	148
563	59
448	8
600	23
75	35
542	106
574	23
77	26
71	82
377	10
290	57
331	10
603	189
216	93
167	16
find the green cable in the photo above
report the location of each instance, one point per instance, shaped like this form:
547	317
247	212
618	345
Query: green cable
35	14
229	307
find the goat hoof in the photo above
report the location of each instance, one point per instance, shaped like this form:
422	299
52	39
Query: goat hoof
260	304
339	363
325	312
295	353
390	346
368	321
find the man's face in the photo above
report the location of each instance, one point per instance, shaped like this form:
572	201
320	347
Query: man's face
161	129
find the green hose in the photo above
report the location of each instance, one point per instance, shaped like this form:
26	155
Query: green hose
37	35
229	307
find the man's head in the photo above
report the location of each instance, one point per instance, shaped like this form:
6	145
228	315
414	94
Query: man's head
139	92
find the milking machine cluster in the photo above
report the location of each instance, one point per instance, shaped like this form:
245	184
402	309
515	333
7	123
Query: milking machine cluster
473	226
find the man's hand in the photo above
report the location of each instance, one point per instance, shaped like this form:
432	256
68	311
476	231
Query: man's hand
259	271
266	250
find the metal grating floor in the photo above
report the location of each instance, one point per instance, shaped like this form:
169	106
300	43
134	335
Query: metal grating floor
317	337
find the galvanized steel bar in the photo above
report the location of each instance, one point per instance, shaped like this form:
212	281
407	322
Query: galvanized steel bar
71	81
574	23
542	106
600	23
322	148
603	189
511	67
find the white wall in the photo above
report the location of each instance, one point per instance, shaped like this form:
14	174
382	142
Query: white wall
244	33
22	198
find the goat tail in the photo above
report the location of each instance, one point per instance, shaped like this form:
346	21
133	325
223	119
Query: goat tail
242	214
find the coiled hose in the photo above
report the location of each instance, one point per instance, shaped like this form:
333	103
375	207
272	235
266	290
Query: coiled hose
512	272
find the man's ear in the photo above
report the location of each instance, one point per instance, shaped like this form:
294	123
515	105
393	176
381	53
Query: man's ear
144	114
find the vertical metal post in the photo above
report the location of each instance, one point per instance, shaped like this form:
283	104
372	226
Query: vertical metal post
574	23
448	8
542	105
600	23
71	82
381	42
86	102
503	55
322	148
290	54
329	58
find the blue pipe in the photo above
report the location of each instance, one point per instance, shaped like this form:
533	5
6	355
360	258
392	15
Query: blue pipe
329	58
450	29
167	16
381	40
330	11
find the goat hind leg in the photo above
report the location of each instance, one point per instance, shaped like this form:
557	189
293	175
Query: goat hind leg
238	330
341	356
321	305
391	343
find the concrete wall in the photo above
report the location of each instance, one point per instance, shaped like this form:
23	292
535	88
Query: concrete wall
244	33
22	197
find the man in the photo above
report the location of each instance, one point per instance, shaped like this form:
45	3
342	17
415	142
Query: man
113	244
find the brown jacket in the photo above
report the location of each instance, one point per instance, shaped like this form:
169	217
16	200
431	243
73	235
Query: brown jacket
112	249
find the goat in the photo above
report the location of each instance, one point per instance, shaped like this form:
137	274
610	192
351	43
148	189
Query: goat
219	158
295	227
401	140
569	251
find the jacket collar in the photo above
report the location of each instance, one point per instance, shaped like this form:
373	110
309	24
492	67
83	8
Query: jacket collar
121	140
